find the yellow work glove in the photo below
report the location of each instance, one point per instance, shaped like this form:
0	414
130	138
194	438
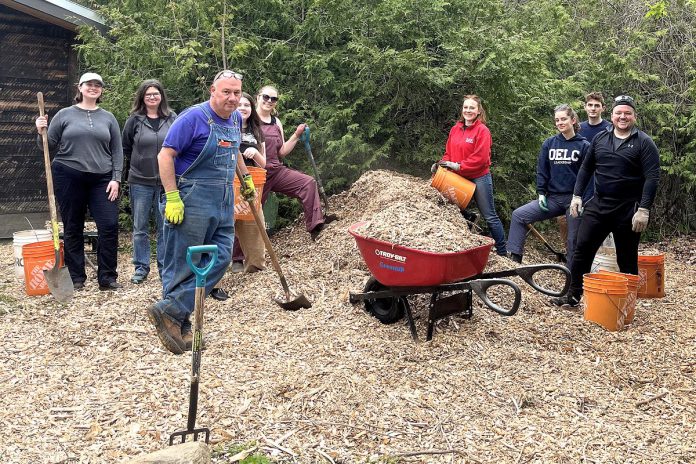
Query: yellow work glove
247	188
174	208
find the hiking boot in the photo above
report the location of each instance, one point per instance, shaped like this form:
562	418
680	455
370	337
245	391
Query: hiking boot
566	301
237	266
78	285
314	233
515	257
168	331
187	337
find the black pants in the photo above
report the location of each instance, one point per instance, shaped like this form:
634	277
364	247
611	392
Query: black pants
75	192
600	217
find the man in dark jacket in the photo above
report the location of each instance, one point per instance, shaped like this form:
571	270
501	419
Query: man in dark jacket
626	166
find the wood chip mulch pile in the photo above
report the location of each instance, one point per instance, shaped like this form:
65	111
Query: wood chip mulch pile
89	382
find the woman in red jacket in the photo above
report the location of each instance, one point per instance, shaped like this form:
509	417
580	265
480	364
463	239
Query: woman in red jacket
468	153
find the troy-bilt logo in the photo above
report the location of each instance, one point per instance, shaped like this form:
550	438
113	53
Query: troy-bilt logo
392	256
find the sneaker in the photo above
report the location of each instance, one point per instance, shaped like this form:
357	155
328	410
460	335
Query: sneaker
237	266
515	257
139	277
187	337
78	285
168	331
219	294
566	301
110	286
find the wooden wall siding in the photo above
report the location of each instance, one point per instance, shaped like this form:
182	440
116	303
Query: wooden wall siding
34	56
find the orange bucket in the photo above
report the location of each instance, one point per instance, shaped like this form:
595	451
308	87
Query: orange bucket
454	187
633	284
242	209
606	308
652	273
37	257
604	280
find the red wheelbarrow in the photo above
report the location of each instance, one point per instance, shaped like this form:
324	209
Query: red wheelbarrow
399	272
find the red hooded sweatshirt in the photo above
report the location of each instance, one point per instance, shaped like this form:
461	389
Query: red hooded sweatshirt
471	148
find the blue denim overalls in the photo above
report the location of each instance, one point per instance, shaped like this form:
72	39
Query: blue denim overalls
208	195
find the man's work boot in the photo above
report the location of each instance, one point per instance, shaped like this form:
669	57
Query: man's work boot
168	331
187	337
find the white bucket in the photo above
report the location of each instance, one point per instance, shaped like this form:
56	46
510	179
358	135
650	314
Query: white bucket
24	237
604	262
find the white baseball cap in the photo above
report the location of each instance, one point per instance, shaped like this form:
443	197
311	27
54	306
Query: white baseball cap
90	76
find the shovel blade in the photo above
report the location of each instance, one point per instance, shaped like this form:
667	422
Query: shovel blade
294	304
59	283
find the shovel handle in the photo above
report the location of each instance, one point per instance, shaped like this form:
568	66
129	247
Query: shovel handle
305	138
201	272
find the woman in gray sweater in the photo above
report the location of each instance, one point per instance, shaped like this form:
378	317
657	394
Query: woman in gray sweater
86	171
143	135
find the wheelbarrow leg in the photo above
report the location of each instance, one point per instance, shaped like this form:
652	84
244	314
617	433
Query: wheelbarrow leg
409	316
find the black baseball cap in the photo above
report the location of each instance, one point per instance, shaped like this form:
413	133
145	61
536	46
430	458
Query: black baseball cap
624	100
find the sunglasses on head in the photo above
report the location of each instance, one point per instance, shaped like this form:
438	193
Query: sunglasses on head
226	74
269	98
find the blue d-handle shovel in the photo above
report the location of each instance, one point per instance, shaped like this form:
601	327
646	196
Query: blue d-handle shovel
201	274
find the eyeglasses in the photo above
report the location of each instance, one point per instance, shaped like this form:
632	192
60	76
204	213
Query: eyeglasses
267	98
152	95
226	74
623	98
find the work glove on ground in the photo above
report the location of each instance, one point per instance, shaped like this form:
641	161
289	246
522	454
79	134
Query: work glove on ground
450	165
247	188
543	204
640	220
174	208
576	206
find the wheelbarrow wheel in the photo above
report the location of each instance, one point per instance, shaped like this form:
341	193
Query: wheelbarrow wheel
386	310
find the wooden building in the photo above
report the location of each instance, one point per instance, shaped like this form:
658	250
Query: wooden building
36	54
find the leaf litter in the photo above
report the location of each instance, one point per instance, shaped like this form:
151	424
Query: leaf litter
89	382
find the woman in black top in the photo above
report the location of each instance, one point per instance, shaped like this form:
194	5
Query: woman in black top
143	135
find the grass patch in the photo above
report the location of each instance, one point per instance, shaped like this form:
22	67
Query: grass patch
231	450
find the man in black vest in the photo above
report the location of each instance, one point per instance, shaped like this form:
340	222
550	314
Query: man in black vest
626	166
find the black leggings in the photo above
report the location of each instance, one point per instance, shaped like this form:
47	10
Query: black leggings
599	219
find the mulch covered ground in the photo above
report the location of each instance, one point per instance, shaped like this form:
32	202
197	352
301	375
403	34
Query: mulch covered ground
89	382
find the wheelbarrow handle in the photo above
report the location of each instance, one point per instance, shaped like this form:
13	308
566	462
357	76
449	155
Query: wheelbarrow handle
527	274
201	272
480	287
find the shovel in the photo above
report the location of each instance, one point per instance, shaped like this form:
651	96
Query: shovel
292	301
560	256
308	149
201	274
58	278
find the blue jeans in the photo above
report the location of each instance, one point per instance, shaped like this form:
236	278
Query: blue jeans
484	200
531	213
144	205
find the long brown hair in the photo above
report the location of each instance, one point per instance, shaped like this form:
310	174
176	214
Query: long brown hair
482	112
254	121
163	110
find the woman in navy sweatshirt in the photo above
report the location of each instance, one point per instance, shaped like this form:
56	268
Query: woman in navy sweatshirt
557	168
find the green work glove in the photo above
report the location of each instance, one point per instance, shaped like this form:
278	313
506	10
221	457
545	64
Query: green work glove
543	204
247	188
174	208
